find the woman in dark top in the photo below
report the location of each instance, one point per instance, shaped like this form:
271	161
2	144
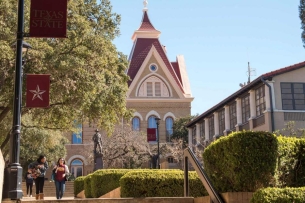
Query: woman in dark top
61	171
29	183
38	169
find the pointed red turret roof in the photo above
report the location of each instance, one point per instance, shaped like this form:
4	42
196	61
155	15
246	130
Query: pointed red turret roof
141	49
144	39
146	24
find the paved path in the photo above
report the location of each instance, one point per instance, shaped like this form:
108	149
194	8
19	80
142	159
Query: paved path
45	198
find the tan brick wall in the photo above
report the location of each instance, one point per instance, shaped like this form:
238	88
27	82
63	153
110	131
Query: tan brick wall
178	109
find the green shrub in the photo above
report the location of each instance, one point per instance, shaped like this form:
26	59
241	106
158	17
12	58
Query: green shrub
78	185
105	180
242	161
159	183
279	195
291	162
87	186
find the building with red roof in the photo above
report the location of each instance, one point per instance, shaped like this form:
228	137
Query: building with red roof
267	103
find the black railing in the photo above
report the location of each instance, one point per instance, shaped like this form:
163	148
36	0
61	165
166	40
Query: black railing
190	156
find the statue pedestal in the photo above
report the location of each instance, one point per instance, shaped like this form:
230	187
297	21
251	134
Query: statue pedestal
98	163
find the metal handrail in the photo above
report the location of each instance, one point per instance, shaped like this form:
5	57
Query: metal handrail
190	156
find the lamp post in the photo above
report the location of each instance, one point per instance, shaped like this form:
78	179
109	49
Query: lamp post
14	170
157	123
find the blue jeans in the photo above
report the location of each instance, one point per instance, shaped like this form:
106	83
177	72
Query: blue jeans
60	188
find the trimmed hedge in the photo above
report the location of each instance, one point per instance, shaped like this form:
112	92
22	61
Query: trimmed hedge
279	195
105	180
79	184
87	186
242	161
160	183
291	162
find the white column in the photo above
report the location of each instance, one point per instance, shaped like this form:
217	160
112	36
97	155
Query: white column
197	133
216	123
238	111
206	129
227	118
190	136
252	104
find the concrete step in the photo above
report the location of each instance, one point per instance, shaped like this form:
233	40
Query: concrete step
107	200
49	189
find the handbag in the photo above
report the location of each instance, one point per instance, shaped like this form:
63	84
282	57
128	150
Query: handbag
35	173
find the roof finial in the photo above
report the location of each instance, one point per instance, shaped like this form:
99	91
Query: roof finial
145	2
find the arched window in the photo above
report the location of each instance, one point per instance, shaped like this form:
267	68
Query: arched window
77	167
135	124
153	87
152	122
169	122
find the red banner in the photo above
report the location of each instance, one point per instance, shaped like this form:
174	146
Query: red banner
37	90
48	18
151	134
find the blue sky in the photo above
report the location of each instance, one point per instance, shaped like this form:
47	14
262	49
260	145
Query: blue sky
218	38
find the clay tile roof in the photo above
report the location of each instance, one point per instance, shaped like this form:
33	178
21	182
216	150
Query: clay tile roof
146	24
246	89
141	49
284	70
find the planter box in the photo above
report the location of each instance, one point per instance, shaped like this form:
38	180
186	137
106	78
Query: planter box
116	193
228	197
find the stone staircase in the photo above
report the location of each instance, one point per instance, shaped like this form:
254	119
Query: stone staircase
49	189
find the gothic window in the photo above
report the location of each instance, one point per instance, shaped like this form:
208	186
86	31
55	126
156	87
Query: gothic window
135	124
77	167
169	122
152	122
153	87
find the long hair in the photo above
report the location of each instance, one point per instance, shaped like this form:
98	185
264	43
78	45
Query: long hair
40	157
61	159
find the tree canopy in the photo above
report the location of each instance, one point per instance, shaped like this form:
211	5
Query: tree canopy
88	74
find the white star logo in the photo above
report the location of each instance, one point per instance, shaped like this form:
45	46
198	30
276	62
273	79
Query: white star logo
37	93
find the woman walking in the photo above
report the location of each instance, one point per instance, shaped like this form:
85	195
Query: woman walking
61	171
38	169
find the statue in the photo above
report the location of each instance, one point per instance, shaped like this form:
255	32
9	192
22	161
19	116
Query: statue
97	139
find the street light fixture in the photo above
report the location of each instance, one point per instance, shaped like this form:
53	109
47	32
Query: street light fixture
158	139
13	177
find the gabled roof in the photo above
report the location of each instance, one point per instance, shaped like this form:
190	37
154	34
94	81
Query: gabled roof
140	52
146	24
232	97
175	65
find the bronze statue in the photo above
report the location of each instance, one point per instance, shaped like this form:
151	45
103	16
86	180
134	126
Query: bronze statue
97	139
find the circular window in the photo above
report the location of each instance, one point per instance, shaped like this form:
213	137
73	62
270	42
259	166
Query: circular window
153	68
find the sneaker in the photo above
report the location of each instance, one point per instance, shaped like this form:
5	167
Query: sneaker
30	195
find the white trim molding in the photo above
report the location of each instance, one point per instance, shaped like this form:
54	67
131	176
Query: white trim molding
137	114
152	113
169	114
77	157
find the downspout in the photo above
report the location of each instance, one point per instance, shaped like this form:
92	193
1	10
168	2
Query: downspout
271	104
